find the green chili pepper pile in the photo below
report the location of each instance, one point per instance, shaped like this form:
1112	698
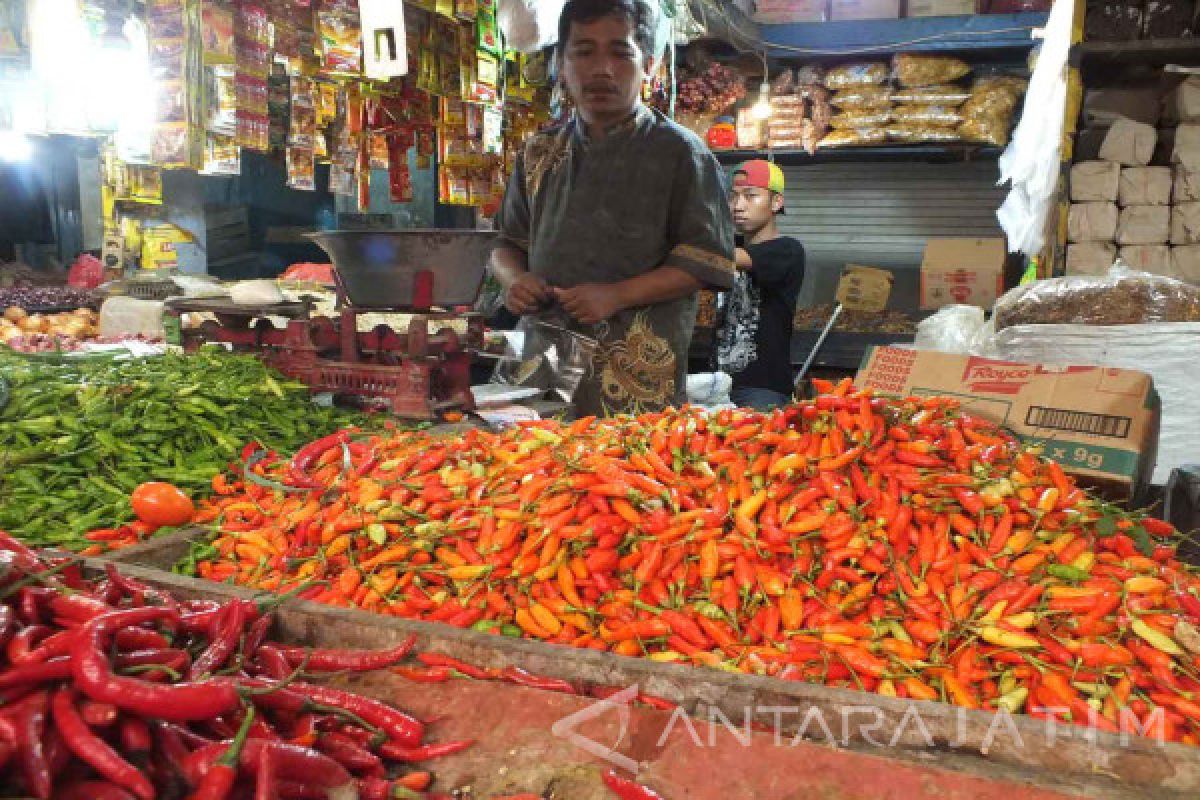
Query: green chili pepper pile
76	436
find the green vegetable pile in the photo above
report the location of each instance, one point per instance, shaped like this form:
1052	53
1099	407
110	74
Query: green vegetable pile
77	435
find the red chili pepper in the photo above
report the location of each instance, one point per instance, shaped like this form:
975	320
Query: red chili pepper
348	660
426	675
56	669
272	662
98	715
175	702
471	671
522	678
264	779
1189	603
226	632
348	752
217	781
93	750
135	735
305	456
400	727
397	752
128	639
627	789
28	716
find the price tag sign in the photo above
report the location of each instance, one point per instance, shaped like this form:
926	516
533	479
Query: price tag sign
865	288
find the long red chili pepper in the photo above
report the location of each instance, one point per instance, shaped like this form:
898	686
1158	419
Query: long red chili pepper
217	781
175	702
298	697
317	660
93	750
522	678
627	789
29	720
424	752
226	632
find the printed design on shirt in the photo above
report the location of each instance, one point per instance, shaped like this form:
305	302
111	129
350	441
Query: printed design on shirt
685	253
637	369
737	339
544	154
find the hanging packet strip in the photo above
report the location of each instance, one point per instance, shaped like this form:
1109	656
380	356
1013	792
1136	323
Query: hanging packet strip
399	177
216	32
301	169
340	36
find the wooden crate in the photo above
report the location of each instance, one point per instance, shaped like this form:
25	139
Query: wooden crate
952	741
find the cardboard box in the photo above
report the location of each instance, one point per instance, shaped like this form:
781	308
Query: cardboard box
865	9
865	288
783	12
1092	222
1185	263
963	271
1145	186
1129	143
1152	258
1095	182
1144	225
1185	223
1100	423
1187	185
941	8
1090	258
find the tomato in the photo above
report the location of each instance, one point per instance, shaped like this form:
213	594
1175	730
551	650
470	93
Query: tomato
158	504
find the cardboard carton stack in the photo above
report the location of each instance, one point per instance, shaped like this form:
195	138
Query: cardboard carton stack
1138	197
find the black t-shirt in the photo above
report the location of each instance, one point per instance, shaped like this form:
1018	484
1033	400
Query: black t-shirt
754	343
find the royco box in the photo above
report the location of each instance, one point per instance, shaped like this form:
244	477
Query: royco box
1101	424
963	271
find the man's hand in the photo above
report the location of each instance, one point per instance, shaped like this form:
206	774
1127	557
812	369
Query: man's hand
590	302
526	294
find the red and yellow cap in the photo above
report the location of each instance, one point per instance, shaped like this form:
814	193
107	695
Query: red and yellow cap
759	174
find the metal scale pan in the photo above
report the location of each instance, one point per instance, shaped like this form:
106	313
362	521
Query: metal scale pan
386	269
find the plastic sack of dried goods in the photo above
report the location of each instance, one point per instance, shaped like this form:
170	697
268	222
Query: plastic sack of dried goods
854	138
916	70
857	120
992	130
851	75
920	133
784	83
863	97
953	329
1119	297
810	73
991	101
927	115
932	95
814	93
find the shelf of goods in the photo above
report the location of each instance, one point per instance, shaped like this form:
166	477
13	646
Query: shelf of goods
1142	51
918	34
916	152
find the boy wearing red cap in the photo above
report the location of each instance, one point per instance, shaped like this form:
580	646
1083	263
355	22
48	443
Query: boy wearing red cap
755	335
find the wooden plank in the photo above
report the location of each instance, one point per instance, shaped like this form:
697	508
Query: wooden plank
1047	754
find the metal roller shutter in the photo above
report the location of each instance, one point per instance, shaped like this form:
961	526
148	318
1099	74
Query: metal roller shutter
881	214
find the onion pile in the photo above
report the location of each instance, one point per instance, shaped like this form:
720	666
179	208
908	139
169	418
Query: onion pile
36	333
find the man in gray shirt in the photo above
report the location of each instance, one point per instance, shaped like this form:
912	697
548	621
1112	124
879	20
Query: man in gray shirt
613	220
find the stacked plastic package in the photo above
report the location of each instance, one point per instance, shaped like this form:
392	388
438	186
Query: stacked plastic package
1140	201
